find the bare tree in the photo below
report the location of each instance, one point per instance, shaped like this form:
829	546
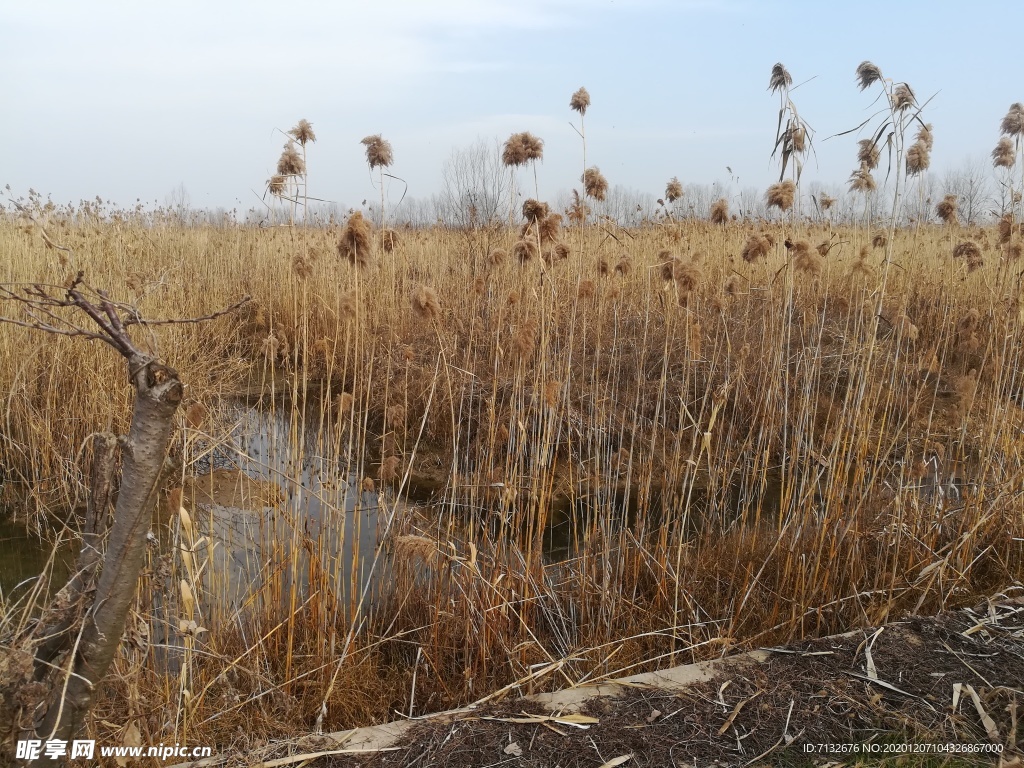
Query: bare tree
972	185
476	185
80	633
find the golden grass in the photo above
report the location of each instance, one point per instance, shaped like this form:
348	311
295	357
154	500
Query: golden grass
754	453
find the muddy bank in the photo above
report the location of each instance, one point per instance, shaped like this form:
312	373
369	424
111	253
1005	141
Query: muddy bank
944	688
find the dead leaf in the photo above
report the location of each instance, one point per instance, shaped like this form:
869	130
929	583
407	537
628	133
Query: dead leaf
616	761
513	749
735	712
988	722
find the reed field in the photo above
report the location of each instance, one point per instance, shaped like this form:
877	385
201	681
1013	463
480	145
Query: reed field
746	432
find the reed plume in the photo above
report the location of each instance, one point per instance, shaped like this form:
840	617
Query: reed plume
521	148
861	180
390	240
967	250
303	132
378	151
355	241
806	260
781	195
594	183
525	250
1005	154
826	202
780	79
868	154
720	211
580	101
290	163
425	303
918	159
673	190
276	185
548	227
535	210
1013	122
867	75
902	98
756	247
946	210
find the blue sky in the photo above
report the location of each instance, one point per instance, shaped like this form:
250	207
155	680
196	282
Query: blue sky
130	99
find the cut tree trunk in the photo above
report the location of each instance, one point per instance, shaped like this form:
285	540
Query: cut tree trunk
158	393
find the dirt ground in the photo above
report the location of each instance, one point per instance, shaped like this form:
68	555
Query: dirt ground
944	690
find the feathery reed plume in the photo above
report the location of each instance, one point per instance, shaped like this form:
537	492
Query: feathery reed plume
665	261
967	250
861	180
303	132
1013	122
798	138
756	247
673	190
826	202
594	183
497	256
720	211
276	185
378	151
781	195
918	159
425	303
732	285
1004	155
548	227
1007	229
561	251
534	210
389	469
525	250
905	328
587	289
868	154
880	239
603	267
902	98
290	163
867	75
687	276
521	148
919	154
625	265
301	267
514	152
1013	251
533	146
925	136
860	265
806	260
580	101
578	210
946	210
390	240
780	79
355	241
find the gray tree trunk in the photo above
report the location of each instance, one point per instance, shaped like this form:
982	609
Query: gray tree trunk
158	395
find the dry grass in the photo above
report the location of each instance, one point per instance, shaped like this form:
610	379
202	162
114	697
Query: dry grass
750	458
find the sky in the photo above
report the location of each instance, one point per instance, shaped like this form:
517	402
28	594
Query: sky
130	100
